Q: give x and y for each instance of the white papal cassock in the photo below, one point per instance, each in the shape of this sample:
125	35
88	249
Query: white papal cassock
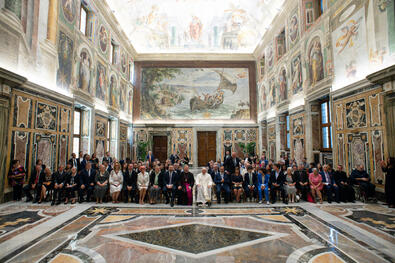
203	191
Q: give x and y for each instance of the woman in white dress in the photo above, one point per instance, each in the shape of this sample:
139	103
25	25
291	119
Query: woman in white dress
116	180
142	183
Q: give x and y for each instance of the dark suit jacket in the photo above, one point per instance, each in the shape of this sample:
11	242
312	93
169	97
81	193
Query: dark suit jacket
68	178
247	179
218	179
86	179
280	179
59	178
324	178
174	179
340	176
32	179
72	162
188	177
130	179
152	178
230	166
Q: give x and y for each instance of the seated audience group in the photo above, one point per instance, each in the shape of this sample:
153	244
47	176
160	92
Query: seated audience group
84	179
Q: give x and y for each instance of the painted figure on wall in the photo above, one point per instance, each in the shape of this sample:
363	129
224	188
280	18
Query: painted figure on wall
195	29
263	98
65	58
103	39
282	81
113	91
130	102
122	97
293	29
124	62
297	77
85	71
269	56
101	82
316	61
68	9
350	31
272	92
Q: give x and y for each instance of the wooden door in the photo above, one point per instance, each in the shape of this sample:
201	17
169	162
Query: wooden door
160	148
207	147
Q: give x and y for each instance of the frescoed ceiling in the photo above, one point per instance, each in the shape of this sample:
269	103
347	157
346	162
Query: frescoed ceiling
195	26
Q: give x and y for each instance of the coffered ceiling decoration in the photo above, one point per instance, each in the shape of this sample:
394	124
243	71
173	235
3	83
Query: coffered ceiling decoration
195	26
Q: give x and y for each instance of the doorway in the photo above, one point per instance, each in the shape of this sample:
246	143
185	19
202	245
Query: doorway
160	148
207	147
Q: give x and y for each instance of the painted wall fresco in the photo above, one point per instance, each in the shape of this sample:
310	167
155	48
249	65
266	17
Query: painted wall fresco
179	26
101	81
360	133
283	84
297	137
293	29
240	140
65	60
315	61
182	142
195	93
296	75
100	136
85	71
350	45
114	92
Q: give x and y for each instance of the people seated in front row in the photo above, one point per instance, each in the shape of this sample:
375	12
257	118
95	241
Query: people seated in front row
222	182
360	177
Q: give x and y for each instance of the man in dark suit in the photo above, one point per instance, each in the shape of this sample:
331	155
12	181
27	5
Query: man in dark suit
86	182
360	177
302	181
74	161
130	184
222	182
231	163
155	184
346	191
108	159
170	182
330	185
250	181
34	185
59	179
276	182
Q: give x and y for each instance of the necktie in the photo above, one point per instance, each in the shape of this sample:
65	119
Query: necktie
328	180
75	163
171	175
250	179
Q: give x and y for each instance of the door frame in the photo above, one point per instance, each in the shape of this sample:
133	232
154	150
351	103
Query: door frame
167	146
196	154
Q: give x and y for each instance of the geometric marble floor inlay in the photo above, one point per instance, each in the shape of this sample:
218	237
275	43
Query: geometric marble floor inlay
195	238
248	233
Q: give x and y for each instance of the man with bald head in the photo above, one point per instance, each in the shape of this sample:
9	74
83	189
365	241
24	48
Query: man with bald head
204	183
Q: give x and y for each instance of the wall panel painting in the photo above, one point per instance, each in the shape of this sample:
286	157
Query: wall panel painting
195	93
65	60
44	148
114	92
101	81
350	48
63	149
293	29
46	116
315	61
358	150
22	112
296	75
20	147
100	149
378	155
65	120
85	72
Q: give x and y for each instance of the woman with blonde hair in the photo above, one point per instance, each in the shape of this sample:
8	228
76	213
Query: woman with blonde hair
116	180
142	183
316	184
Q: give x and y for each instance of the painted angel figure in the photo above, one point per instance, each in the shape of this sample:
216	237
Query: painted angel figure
350	31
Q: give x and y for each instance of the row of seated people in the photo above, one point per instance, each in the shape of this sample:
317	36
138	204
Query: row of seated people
134	181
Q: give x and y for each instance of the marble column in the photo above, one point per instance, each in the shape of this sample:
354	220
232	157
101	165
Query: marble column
52	21
4	113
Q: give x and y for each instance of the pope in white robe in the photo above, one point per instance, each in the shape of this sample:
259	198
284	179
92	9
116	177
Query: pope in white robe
204	183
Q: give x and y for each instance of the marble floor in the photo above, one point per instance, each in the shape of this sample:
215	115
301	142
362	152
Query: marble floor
246	232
